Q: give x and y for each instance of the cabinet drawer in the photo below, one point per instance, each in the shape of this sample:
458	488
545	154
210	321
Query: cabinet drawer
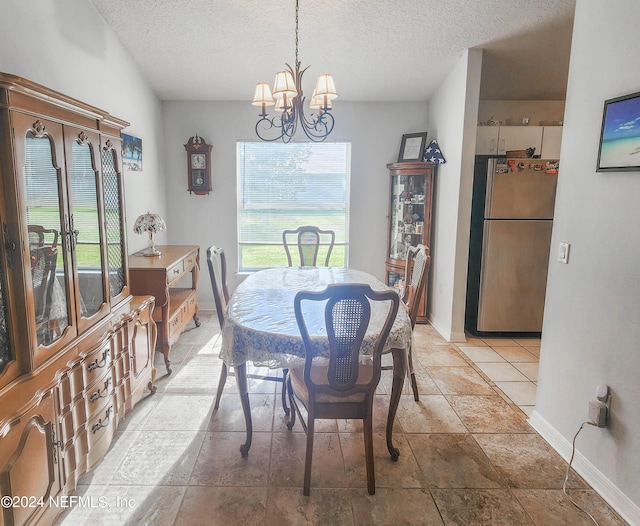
175	323
100	431
174	272
95	364
97	396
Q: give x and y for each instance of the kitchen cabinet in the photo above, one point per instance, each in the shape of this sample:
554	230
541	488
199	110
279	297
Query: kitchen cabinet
409	218
551	141
498	140
70	329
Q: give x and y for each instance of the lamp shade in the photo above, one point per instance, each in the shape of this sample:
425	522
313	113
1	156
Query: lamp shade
149	223
325	87
262	95
319	102
284	86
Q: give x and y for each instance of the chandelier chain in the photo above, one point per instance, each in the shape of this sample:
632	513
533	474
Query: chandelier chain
296	32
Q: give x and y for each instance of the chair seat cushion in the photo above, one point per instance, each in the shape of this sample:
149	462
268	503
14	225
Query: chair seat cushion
319	377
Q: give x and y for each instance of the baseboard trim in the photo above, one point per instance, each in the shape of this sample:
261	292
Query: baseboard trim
445	331
624	506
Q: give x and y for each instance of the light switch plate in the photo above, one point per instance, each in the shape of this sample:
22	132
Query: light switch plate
563	252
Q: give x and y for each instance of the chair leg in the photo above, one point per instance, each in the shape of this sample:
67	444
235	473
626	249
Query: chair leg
306	489
368	454
414	383
284	391
221	382
292	414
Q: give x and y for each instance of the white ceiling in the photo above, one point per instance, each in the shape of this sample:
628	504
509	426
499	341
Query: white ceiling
376	50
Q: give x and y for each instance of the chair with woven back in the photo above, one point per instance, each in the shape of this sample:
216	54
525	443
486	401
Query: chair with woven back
308	239
339	386
43	248
217	263
416	271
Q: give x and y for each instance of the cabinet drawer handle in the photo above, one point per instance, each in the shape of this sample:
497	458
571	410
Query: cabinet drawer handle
175	322
95	364
176	271
99	424
97	395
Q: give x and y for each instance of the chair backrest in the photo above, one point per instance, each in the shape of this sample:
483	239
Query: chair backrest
346	315
308	239
416	271
217	263
43	248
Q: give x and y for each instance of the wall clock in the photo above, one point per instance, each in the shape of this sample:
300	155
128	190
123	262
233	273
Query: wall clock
198	165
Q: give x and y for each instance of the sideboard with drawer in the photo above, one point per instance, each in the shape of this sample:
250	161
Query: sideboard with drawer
164	278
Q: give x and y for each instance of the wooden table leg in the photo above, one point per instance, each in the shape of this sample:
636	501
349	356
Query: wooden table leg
241	381
399	372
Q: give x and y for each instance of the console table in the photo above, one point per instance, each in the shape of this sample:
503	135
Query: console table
162	277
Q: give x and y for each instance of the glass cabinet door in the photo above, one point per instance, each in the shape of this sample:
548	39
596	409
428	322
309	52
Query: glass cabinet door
6	351
43	201
114	220
85	215
407	214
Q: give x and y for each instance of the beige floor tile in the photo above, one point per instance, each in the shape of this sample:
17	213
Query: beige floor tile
499	342
528	342
530	370
490	507
432	414
488	414
473	342
390	507
459	380
481	354
109	505
159	457
516	354
534	350
520	393
288	507
219	462
169	413
430	355
453	461
526	461
230	417
552	508
223	506
502	372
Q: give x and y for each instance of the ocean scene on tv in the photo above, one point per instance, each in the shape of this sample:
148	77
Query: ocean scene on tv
621	134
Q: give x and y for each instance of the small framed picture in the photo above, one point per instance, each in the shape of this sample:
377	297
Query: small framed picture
412	147
620	135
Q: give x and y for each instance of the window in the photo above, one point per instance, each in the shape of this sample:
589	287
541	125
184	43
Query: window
284	186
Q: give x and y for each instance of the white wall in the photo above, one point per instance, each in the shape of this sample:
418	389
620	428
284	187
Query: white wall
453	113
66	46
374	129
591	330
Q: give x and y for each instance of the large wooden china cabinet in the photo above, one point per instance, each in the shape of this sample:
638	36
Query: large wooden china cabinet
410	217
76	348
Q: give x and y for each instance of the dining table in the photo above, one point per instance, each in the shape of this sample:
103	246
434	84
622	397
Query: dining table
260	328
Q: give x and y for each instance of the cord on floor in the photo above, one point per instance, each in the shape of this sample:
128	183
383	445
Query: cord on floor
566	478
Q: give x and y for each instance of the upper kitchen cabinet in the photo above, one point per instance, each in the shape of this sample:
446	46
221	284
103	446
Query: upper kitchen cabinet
498	140
551	140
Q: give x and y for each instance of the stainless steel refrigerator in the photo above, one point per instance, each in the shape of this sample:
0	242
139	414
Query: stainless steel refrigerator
517	219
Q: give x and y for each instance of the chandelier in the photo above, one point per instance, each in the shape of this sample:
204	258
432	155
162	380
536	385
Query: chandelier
289	104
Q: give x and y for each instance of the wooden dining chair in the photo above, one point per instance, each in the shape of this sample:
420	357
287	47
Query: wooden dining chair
416	271
339	386
217	263
43	249
308	239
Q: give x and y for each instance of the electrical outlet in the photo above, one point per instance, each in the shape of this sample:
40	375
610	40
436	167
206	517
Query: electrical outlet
563	252
598	413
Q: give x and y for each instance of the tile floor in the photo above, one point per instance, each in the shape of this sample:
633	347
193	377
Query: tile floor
468	455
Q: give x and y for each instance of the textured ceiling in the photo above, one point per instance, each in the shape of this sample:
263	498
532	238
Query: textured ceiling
376	50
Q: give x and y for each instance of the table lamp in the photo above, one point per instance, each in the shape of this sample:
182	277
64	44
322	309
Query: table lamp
151	223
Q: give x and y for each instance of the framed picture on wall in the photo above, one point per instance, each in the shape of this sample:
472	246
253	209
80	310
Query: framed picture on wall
412	147
620	135
131	152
